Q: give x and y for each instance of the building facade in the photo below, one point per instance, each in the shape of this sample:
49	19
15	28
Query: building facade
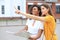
55	5
7	6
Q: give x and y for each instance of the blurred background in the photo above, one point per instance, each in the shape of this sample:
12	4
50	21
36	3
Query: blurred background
10	21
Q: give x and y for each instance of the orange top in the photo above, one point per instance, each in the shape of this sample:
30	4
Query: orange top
49	28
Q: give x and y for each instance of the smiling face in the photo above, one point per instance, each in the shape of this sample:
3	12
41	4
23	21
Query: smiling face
35	11
44	10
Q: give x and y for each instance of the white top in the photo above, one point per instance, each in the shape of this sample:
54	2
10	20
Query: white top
34	29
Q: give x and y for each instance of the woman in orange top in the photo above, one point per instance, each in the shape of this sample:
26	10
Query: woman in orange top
47	18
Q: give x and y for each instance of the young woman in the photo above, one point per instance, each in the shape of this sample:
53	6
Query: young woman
48	19
34	27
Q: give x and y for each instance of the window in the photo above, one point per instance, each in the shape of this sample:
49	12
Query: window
51	0
2	9
29	6
57	8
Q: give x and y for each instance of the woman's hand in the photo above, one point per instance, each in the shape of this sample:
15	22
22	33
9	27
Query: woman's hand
17	33
17	11
22	30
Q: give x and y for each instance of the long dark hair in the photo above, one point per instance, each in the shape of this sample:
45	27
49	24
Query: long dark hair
39	9
48	7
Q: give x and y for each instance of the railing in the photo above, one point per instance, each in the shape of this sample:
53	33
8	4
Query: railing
12	22
58	21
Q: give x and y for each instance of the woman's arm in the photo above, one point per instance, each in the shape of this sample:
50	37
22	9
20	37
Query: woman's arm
38	35
31	16
24	29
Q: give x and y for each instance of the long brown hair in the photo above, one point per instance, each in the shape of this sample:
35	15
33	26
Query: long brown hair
47	7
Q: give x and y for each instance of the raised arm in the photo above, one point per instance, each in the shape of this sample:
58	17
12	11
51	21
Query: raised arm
24	29
30	16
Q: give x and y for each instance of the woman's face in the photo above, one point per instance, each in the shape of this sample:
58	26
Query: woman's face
35	11
44	10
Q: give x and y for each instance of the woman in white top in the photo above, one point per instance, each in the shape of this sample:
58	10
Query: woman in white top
33	26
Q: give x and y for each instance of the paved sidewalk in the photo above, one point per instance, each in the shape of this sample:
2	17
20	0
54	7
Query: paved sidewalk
13	29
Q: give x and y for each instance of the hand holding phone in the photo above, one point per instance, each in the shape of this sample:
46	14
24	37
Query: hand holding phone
17	11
